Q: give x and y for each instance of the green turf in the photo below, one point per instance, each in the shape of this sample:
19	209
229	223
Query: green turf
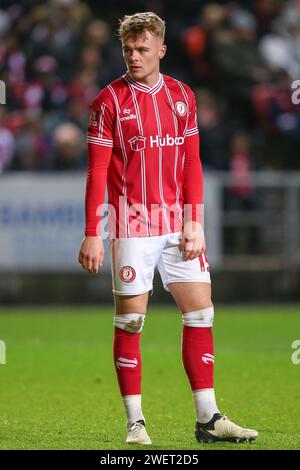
58	389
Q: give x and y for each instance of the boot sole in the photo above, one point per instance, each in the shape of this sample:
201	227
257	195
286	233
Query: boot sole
204	438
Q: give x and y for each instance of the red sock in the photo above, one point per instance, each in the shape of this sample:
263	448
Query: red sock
128	364
198	356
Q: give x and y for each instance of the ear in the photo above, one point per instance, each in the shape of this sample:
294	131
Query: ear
162	51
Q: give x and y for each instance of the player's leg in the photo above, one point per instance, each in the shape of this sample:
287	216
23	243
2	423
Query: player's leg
189	283
129	318
130	303
132	274
194	301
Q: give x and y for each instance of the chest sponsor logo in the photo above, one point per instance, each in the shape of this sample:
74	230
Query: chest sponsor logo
138	143
167	141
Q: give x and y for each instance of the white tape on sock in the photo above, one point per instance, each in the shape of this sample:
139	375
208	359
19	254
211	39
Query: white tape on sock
199	318
131	322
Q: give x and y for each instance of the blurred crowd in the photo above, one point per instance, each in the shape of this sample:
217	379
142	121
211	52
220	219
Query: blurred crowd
240	58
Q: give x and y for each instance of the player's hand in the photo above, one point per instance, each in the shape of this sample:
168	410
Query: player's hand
91	254
192	243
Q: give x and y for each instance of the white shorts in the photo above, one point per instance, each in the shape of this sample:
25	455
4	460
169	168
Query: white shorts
133	261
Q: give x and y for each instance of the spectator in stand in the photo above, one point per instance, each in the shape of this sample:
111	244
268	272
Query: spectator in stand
241	195
197	41
7	143
214	141
69	148
238	64
279	121
280	50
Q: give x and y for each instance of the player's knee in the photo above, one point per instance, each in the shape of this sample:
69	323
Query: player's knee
130	322
203	318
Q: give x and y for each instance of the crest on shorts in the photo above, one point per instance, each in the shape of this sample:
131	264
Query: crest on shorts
94	118
127	274
181	108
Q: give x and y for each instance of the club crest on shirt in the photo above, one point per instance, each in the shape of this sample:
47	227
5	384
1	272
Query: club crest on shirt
137	143
94	118
181	108
127	274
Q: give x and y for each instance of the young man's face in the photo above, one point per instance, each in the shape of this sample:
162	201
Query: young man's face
142	56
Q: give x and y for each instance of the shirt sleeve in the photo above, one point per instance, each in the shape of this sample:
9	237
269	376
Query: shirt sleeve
193	177
192	127
100	144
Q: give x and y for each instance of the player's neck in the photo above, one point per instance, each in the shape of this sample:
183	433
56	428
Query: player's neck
151	80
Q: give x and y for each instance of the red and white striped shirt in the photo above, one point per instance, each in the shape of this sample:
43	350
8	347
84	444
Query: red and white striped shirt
143	143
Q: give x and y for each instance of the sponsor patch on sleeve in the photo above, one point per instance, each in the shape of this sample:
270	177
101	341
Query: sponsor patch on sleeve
94	118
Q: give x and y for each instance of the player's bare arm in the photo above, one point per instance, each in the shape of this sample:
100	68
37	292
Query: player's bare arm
91	254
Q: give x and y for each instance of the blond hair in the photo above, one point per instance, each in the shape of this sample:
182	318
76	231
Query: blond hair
137	24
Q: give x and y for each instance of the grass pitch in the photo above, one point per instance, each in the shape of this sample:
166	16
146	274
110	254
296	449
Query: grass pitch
58	389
